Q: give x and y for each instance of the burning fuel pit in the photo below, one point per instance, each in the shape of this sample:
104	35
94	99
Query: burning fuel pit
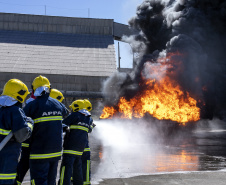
180	69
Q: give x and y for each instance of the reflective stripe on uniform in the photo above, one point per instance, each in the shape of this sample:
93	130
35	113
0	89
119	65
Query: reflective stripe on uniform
87	150
79	127
25	145
62	175
49	118
18	182
86	183
7	176
87	173
32	182
4	132
72	152
45	156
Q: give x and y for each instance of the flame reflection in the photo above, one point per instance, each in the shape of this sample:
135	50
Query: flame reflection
181	161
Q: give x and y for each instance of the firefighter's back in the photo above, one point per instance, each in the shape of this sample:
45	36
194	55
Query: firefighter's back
46	140
47	134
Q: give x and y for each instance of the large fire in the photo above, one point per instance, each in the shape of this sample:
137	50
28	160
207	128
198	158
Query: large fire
162	98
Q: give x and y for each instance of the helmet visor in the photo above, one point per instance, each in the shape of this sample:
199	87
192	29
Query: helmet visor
7	101
40	90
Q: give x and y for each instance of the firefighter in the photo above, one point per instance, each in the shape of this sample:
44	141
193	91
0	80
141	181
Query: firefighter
12	119
86	156
56	94
80	123
23	165
86	167
46	139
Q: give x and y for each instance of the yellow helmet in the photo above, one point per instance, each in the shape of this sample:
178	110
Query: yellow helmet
54	93
16	89
77	105
88	105
39	82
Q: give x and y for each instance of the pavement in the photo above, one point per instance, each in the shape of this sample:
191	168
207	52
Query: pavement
191	178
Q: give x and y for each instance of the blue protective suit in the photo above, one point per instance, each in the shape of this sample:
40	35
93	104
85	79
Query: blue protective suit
86	165
12	119
80	124
23	165
46	139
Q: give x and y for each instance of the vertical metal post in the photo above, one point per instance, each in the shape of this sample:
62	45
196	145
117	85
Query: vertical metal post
119	58
133	55
133	61
45	9
88	13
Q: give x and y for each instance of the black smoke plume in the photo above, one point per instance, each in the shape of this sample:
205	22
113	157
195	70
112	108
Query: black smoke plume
195	28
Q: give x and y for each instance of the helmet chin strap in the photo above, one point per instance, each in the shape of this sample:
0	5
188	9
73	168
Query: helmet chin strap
6	101
39	91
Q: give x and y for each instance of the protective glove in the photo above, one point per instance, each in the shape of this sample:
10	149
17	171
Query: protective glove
30	120
91	127
30	123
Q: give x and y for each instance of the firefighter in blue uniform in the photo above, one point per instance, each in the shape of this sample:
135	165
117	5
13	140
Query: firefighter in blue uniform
86	156
12	119
80	123
23	165
56	94
46	139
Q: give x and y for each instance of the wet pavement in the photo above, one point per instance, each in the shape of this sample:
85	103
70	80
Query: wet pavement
136	152
129	152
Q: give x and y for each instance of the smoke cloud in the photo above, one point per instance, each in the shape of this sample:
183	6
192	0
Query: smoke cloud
196	29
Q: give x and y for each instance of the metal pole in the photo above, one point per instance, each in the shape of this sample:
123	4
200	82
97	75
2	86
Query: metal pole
119	58
88	12
45	9
133	55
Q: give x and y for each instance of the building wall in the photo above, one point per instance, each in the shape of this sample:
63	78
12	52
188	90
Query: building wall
42	23
70	84
121	30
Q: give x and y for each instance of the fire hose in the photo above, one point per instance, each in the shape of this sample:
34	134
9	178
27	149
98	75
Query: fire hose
5	140
10	135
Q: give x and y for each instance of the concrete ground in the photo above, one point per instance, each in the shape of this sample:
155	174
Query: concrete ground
191	178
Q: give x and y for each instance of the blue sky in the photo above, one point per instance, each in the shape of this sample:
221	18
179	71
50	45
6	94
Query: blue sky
119	10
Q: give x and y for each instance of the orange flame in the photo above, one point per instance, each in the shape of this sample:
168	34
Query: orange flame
163	99
108	112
